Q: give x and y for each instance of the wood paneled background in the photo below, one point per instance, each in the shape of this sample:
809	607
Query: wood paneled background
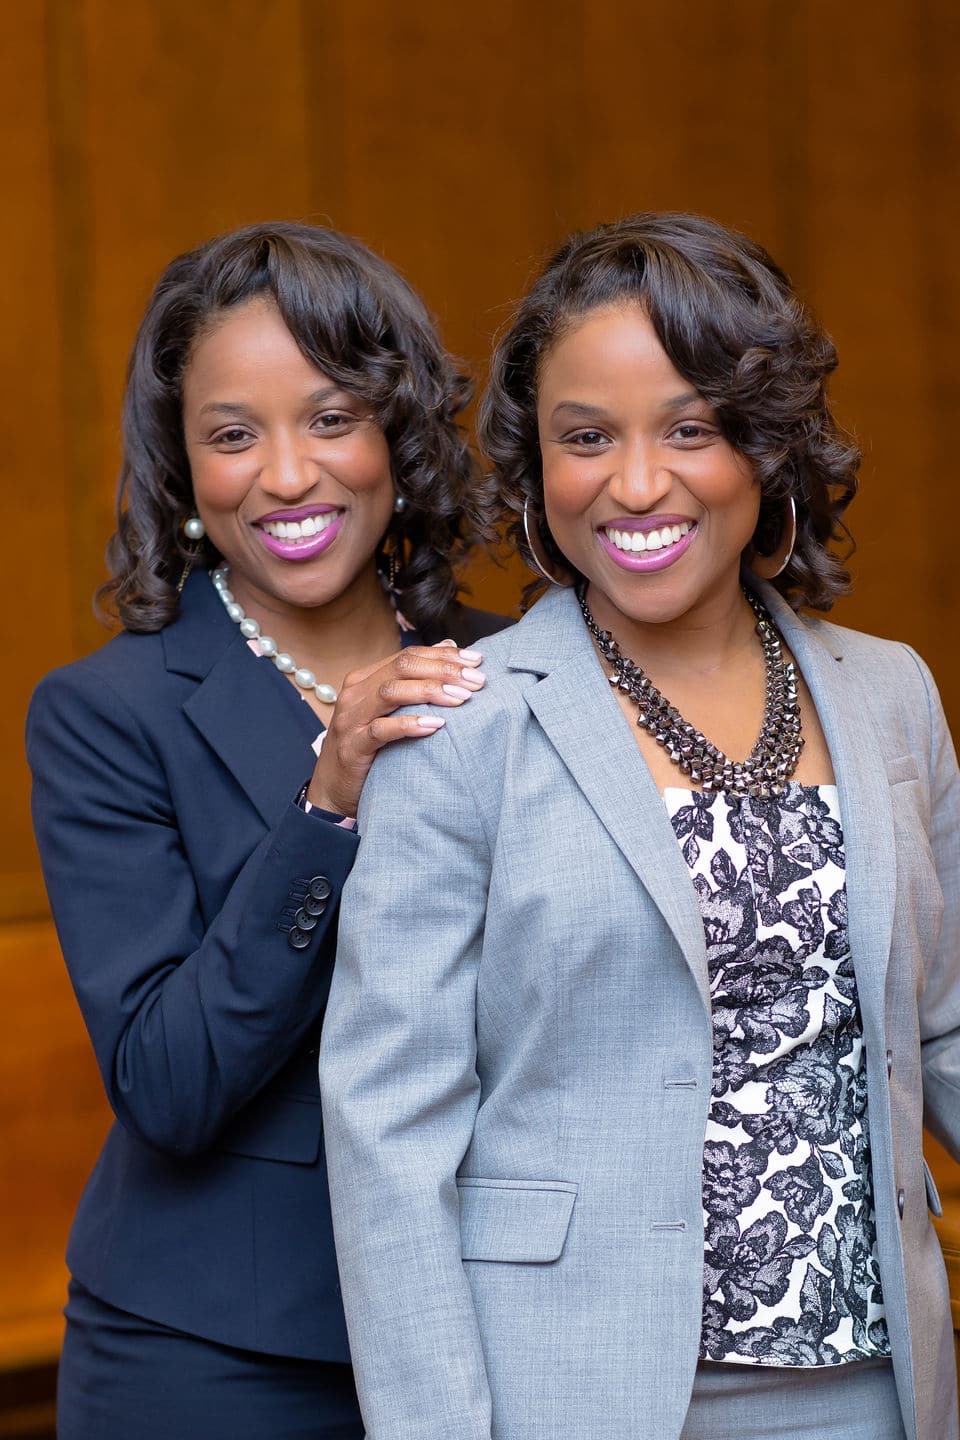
462	142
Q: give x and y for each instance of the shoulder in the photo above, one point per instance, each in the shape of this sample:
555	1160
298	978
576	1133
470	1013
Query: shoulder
122	689
872	655
492	714
122	665
887	680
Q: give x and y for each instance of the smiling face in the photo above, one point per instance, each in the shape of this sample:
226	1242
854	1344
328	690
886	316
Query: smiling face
642	491
291	474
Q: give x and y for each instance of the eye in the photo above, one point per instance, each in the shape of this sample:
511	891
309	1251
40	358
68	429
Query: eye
586	440
234	436
334	420
691	433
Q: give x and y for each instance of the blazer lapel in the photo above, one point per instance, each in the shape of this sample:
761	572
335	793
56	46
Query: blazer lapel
240	706
866	812
576	708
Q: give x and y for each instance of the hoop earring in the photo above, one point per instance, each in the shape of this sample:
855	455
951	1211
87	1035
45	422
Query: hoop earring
194	530
768	567
537	563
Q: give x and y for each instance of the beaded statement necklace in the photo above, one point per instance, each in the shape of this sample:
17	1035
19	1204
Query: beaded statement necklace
776	754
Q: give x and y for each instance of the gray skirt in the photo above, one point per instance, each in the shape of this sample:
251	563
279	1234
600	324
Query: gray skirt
857	1401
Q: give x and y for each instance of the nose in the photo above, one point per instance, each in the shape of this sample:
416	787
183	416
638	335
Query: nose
286	471
640	479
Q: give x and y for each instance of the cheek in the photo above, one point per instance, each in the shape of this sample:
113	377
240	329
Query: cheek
365	464
568	495
220	482
730	490
568	491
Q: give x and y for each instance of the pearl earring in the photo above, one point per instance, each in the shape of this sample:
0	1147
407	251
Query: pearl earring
194	530
399	505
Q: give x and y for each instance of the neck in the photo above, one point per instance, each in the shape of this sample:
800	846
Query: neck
703	640
356	628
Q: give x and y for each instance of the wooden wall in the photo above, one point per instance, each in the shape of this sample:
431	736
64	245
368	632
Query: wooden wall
462	142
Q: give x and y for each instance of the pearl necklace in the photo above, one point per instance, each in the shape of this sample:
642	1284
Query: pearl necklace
250	629
776	754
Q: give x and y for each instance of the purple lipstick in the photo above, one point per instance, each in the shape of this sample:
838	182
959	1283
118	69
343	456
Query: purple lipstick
653	542
300	534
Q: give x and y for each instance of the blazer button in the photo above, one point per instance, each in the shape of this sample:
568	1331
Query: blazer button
314	907
320	887
305	920
901	1198
298	939
889	1062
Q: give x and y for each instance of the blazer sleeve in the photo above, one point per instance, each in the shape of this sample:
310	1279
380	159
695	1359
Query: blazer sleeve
189	1018
940	1001
400	1093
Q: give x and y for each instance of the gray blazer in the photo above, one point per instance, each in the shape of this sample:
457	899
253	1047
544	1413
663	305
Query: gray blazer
516	1062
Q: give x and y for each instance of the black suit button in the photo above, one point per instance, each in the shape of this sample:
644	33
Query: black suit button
901	1200
314	907
298	939
320	887
305	920
889	1062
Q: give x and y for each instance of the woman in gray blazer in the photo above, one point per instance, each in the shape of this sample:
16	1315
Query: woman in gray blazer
631	1039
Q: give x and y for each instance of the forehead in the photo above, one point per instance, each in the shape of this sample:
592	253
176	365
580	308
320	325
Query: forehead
245	343
615	348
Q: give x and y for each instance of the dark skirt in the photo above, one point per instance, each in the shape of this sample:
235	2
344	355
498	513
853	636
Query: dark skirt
122	1377
857	1401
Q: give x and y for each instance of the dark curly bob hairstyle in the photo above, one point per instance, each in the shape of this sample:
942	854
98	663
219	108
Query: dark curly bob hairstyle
359	322
730	322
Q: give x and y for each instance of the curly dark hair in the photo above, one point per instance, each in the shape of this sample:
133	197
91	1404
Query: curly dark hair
357	320
731	323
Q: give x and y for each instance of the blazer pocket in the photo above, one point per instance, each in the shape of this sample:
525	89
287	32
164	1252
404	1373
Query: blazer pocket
276	1127
904	767
523	1221
933	1194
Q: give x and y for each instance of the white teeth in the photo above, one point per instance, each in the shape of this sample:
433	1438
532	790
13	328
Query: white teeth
299	530
635	542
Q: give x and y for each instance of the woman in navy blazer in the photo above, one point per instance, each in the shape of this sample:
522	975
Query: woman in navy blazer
292	469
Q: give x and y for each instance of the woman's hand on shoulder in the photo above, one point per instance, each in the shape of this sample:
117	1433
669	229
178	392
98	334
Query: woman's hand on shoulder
364	720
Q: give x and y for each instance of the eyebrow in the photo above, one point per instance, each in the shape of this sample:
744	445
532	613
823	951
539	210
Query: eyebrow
229	407
575	407
597	412
680	402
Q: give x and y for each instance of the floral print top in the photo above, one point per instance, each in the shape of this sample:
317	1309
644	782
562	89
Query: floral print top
790	1265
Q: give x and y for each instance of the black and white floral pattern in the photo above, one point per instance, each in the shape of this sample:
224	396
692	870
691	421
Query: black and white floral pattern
790	1264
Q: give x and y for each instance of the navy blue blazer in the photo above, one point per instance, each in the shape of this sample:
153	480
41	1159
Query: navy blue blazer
165	768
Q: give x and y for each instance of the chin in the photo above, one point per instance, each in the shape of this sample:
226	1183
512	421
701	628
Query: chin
646	601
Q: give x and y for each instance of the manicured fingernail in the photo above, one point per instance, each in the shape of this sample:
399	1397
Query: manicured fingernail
457	691
445	642
471	655
427	722
471	677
